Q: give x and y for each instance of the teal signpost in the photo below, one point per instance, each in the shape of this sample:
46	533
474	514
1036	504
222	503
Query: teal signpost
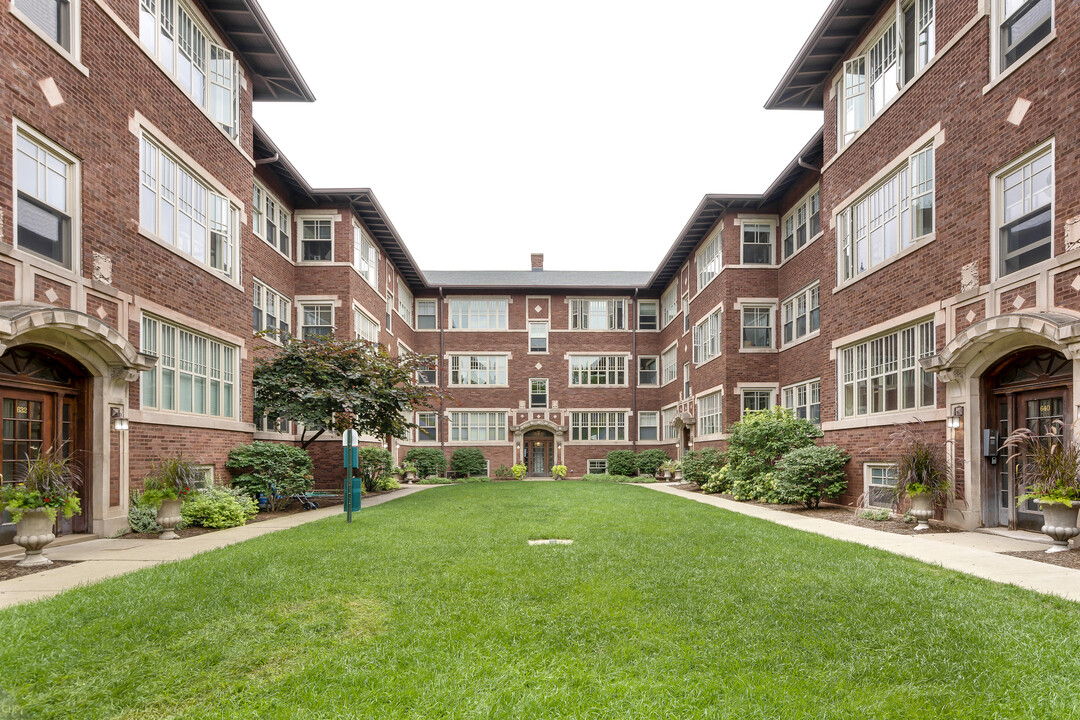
350	441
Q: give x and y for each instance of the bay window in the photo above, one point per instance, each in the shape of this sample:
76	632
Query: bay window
669	304
710	414
802	223
708	262
365	257
804	400
707	338
272	312
669	364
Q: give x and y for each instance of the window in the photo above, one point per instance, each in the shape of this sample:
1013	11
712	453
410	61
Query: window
265	423
1023	24
647	315
182	210
272	312
404	303
478	369
648	370
270	220
884	375
804	400
669	303
478	314
802	316
194	373
477	426
364	328
802	223
597	370
685	314
46	180
880	485
710	414
317	320
707	338
686	380
598	426
667	419
538	393
538	337
648	426
427	427
316	239
708	262
365	257
604	314
428	375
757	243
669	363
51	17
890	218
756	400
597	467
206	71
757	327
427	314
1025	196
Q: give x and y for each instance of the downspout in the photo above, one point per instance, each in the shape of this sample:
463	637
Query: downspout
634	375
442	375
267	161
807	165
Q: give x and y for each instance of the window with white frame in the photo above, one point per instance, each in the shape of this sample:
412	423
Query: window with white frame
182	210
802	223
884	375
757	243
317	320
598	426
648	425
648	370
648	315
538	337
597	314
429	374
685	314
804	399
270	220
272	312
667	419
756	400
365	257
802	316
757	326
1022	25
478	314
477	426
1024	202
710	414
686	380
669	304
427	314
890	218
175	34
265	423
364	327
669	362
708	261
707	338
597	467
880	485
405	303
194	374
538	393
597	370
316	239
478	369
870	80
55	19
46	179
427	427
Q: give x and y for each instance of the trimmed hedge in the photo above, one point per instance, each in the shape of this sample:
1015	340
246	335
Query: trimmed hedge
649	461
468	461
428	461
621	462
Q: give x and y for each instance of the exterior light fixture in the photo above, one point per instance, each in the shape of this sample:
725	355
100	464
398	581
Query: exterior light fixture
119	422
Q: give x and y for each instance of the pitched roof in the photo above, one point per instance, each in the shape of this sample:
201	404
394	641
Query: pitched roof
584	279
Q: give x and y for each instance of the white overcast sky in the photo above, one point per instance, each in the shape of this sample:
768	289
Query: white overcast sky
585	130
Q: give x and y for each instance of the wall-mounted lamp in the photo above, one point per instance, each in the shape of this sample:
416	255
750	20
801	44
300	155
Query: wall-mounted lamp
119	422
953	422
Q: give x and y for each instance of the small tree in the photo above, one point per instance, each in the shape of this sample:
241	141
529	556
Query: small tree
621	462
649	461
757	443
428	461
698	466
807	474
468	462
275	470
372	464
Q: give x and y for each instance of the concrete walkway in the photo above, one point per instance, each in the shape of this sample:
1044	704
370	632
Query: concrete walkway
974	553
100	559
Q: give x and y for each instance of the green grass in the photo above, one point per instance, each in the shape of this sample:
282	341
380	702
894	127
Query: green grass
434	606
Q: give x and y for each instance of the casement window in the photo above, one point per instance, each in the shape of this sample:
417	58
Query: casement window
597	467
685	314
46	179
604	314
890	218
1024	209
364	327
177	36
648	370
194	374
427	317
54	19
272	312
597	370
477	426
802	315
707	338
669	364
880	485
756	400
316	239
598	426
648	425
317	320
647	315
669	304
365	257
427	427
802	223
270	220
804	399
478	369
710	414
708	262
884	375
538	337
538	393
405	303
182	210
667	419
757	326
757	243
1022	25
478	314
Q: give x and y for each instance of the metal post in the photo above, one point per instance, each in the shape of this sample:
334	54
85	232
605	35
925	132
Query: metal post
348	484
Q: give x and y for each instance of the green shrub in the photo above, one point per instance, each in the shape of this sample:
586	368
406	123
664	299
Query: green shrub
757	443
172	478
468	461
519	471
428	461
504	471
218	507
759	486
621	462
142	515
718	482
473	479
386	482
607	477
699	465
649	461
271	469
805	475
372	464
878	514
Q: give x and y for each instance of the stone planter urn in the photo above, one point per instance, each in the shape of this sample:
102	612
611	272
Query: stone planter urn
1059	522
168	516
33	532
678	475
922	509
410	477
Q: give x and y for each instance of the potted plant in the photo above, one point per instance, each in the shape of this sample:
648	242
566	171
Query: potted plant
678	470
166	486
46	486
409	470
1048	467
666	471
558	472
921	475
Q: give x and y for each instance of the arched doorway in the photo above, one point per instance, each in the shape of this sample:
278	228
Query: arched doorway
538	448
1030	388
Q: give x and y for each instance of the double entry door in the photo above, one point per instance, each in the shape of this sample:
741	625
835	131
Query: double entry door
539	454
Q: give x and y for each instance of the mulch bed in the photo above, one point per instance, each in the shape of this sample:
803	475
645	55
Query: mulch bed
1070	559
8	571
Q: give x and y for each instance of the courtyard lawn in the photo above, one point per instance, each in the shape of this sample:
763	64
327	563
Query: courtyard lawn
434	606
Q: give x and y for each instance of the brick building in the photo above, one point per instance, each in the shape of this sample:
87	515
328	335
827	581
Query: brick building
917	259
